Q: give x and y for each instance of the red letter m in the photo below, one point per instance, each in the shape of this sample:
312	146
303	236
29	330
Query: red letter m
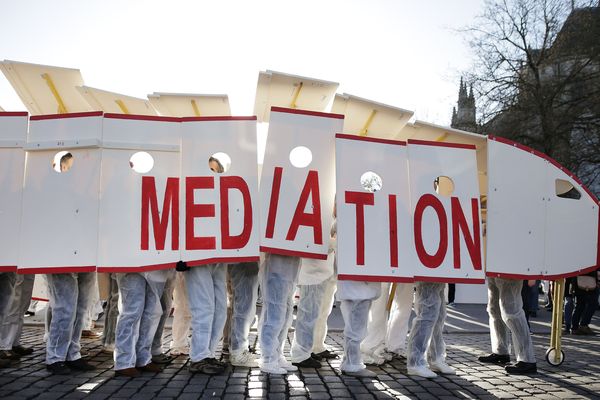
160	219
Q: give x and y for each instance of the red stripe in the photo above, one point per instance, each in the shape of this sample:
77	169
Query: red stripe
70	115
448	280
306	112
39	299
442	144
216	260
8	268
219	118
142	117
547	158
294	253
141	268
545	277
13	113
56	270
373	278
370	139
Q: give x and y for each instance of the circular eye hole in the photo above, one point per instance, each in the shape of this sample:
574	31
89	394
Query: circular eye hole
300	157
141	162
443	185
62	161
371	182
219	162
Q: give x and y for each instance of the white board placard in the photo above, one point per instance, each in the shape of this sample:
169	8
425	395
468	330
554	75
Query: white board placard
297	202
220	209
373	210
447	237
532	233
13	133
59	230
139	207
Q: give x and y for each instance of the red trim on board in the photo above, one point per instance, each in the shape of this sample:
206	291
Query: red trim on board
373	278
294	253
14	113
69	115
141	268
448	280
547	158
306	112
8	268
218	118
442	144
370	139
56	270
39	299
142	117
544	277
229	260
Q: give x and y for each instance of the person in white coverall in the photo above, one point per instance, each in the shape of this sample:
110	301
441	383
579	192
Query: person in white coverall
182	318
11	326
70	295
386	337
207	296
426	335
166	301
356	299
139	315
505	307
7	283
279	276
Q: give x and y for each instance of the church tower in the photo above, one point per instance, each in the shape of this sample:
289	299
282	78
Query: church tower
463	116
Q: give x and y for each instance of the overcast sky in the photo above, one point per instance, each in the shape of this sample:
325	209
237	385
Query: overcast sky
405	53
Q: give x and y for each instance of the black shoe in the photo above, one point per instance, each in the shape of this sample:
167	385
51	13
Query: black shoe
80	365
206	367
522	368
22	351
308	363
59	368
327	355
9	355
316	357
495	359
216	362
162	359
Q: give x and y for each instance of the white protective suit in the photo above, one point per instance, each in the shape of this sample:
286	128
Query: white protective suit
7	284
70	296
166	301
278	283
388	334
356	299
139	315
505	307
426	334
207	296
11	326
244	284
182	318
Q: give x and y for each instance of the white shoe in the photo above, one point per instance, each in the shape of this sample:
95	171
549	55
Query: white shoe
423	372
442	368
382	352
285	364
243	359
272	368
361	373
180	352
371	359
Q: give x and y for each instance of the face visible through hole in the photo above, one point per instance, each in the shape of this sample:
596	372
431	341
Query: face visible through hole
219	162
62	162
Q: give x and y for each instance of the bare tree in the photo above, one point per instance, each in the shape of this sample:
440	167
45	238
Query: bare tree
537	78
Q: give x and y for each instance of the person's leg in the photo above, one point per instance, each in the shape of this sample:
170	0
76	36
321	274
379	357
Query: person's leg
219	275
374	343
499	332
182	318
427	309
321	324
436	352
85	287
292	269
154	287
591	305
201	299
110	314
166	301
356	315
513	316
451	293
9	288
400	314
132	299
25	301
309	305
63	293
12	323
580	301
244	281
569	305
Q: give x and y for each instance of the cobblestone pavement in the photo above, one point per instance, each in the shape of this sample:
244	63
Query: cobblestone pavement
577	377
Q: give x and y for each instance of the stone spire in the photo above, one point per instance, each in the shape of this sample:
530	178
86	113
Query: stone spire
463	116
